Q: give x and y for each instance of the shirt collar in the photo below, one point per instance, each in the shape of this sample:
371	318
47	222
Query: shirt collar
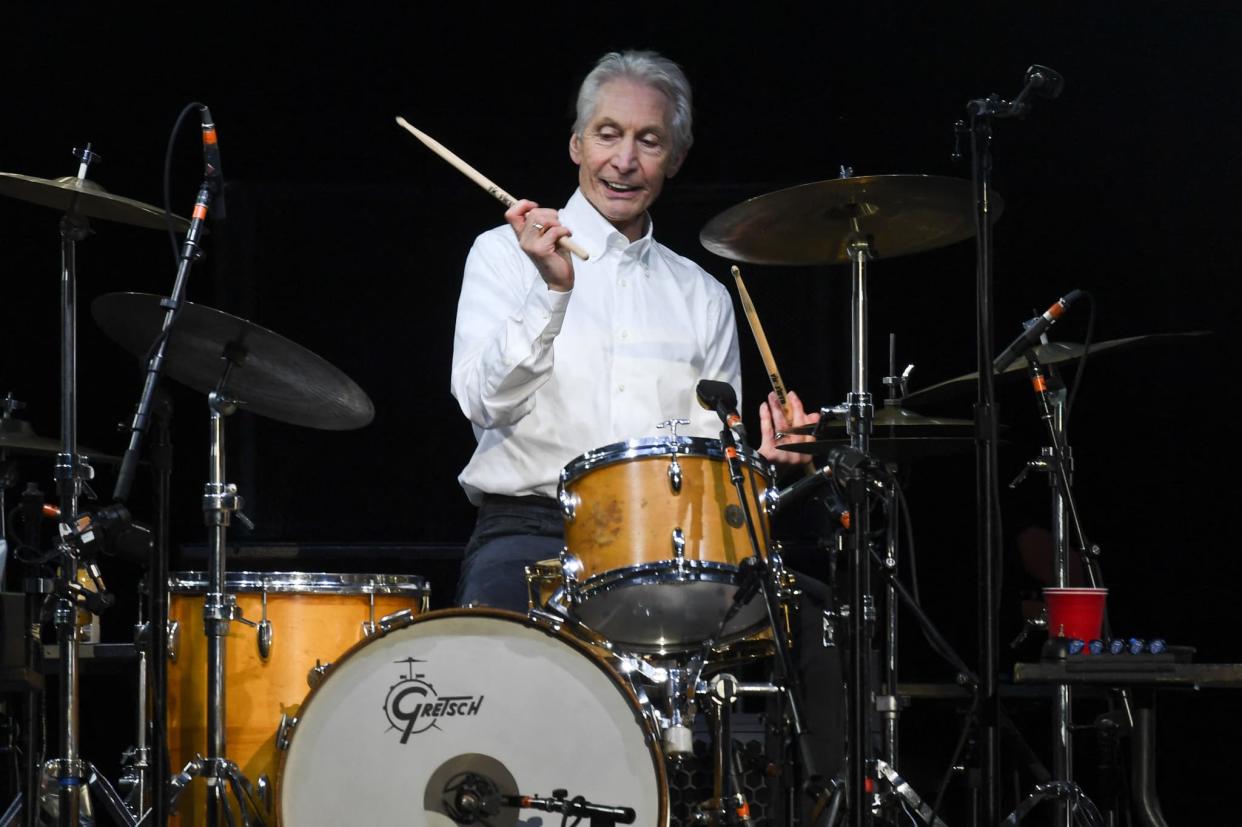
599	237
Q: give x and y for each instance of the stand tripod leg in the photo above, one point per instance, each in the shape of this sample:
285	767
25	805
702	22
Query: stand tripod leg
906	793
112	802
10	815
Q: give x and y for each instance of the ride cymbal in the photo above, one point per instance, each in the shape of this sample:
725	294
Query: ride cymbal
1051	353
84	197
815	223
270	375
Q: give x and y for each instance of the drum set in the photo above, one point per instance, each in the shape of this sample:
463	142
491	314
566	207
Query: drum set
326	699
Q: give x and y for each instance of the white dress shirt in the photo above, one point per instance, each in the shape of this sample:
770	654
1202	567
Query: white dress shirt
546	376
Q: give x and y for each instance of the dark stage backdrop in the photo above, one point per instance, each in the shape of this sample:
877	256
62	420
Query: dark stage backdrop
347	236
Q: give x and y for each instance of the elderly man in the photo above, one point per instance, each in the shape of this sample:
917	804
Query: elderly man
555	357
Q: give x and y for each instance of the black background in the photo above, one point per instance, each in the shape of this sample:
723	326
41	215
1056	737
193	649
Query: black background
347	236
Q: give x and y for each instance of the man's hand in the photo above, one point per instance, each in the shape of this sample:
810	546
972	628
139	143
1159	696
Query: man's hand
772	421
537	230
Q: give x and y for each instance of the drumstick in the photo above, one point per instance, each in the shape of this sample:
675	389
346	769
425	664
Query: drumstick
769	362
480	179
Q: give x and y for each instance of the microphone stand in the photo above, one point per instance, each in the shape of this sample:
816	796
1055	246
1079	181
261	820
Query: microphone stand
982	112
769	589
191	251
986	438
1057	460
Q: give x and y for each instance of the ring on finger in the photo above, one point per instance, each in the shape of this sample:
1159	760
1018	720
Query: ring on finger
538	226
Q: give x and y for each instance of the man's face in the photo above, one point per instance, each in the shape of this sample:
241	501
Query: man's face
625	153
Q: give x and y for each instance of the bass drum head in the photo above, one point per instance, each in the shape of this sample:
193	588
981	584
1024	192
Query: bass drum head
468	700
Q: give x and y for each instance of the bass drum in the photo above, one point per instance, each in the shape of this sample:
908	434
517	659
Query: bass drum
467	705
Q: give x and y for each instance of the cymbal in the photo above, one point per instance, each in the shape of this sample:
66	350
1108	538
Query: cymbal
897	435
271	376
17	436
1048	354
815	223
87	198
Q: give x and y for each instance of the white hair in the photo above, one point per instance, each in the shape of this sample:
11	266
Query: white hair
651	69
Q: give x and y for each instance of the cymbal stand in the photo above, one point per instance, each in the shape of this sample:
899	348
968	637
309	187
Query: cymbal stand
69	772
860	415
220	503
767	578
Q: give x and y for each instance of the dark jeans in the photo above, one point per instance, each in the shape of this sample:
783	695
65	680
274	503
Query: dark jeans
514	532
510	534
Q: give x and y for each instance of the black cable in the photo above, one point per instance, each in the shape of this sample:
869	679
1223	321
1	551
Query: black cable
168	221
904	505
168	153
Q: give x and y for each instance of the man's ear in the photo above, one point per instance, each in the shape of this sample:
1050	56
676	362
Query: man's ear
575	147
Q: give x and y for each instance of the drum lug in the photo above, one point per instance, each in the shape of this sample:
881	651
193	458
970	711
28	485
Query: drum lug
396	620
174	640
679	547
674	475
263	638
284	731
315	675
569	503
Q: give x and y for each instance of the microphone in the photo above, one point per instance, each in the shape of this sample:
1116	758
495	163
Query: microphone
576	806
776	499
113	527
1034	329
212	170
720	397
1047	83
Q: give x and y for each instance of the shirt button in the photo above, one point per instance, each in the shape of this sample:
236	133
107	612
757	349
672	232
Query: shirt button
620	388
623	283
625	334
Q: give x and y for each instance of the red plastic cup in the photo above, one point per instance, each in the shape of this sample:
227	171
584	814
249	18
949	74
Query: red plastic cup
1075	612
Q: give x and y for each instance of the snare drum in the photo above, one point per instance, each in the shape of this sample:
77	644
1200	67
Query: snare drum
414	725
294	625
654	535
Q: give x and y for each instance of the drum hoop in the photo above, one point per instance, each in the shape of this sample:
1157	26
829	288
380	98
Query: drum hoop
646	574
651	737
292	582
656	447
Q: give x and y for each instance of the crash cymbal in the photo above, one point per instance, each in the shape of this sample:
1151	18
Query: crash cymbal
271	376
814	223
18	437
87	198
1048	354
897	435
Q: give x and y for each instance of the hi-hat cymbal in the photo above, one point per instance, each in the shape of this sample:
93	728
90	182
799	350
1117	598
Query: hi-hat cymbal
897	435
815	223
1048	354
271	376
17	436
85	197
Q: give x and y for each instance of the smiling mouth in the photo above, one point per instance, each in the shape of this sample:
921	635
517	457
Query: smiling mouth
620	187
